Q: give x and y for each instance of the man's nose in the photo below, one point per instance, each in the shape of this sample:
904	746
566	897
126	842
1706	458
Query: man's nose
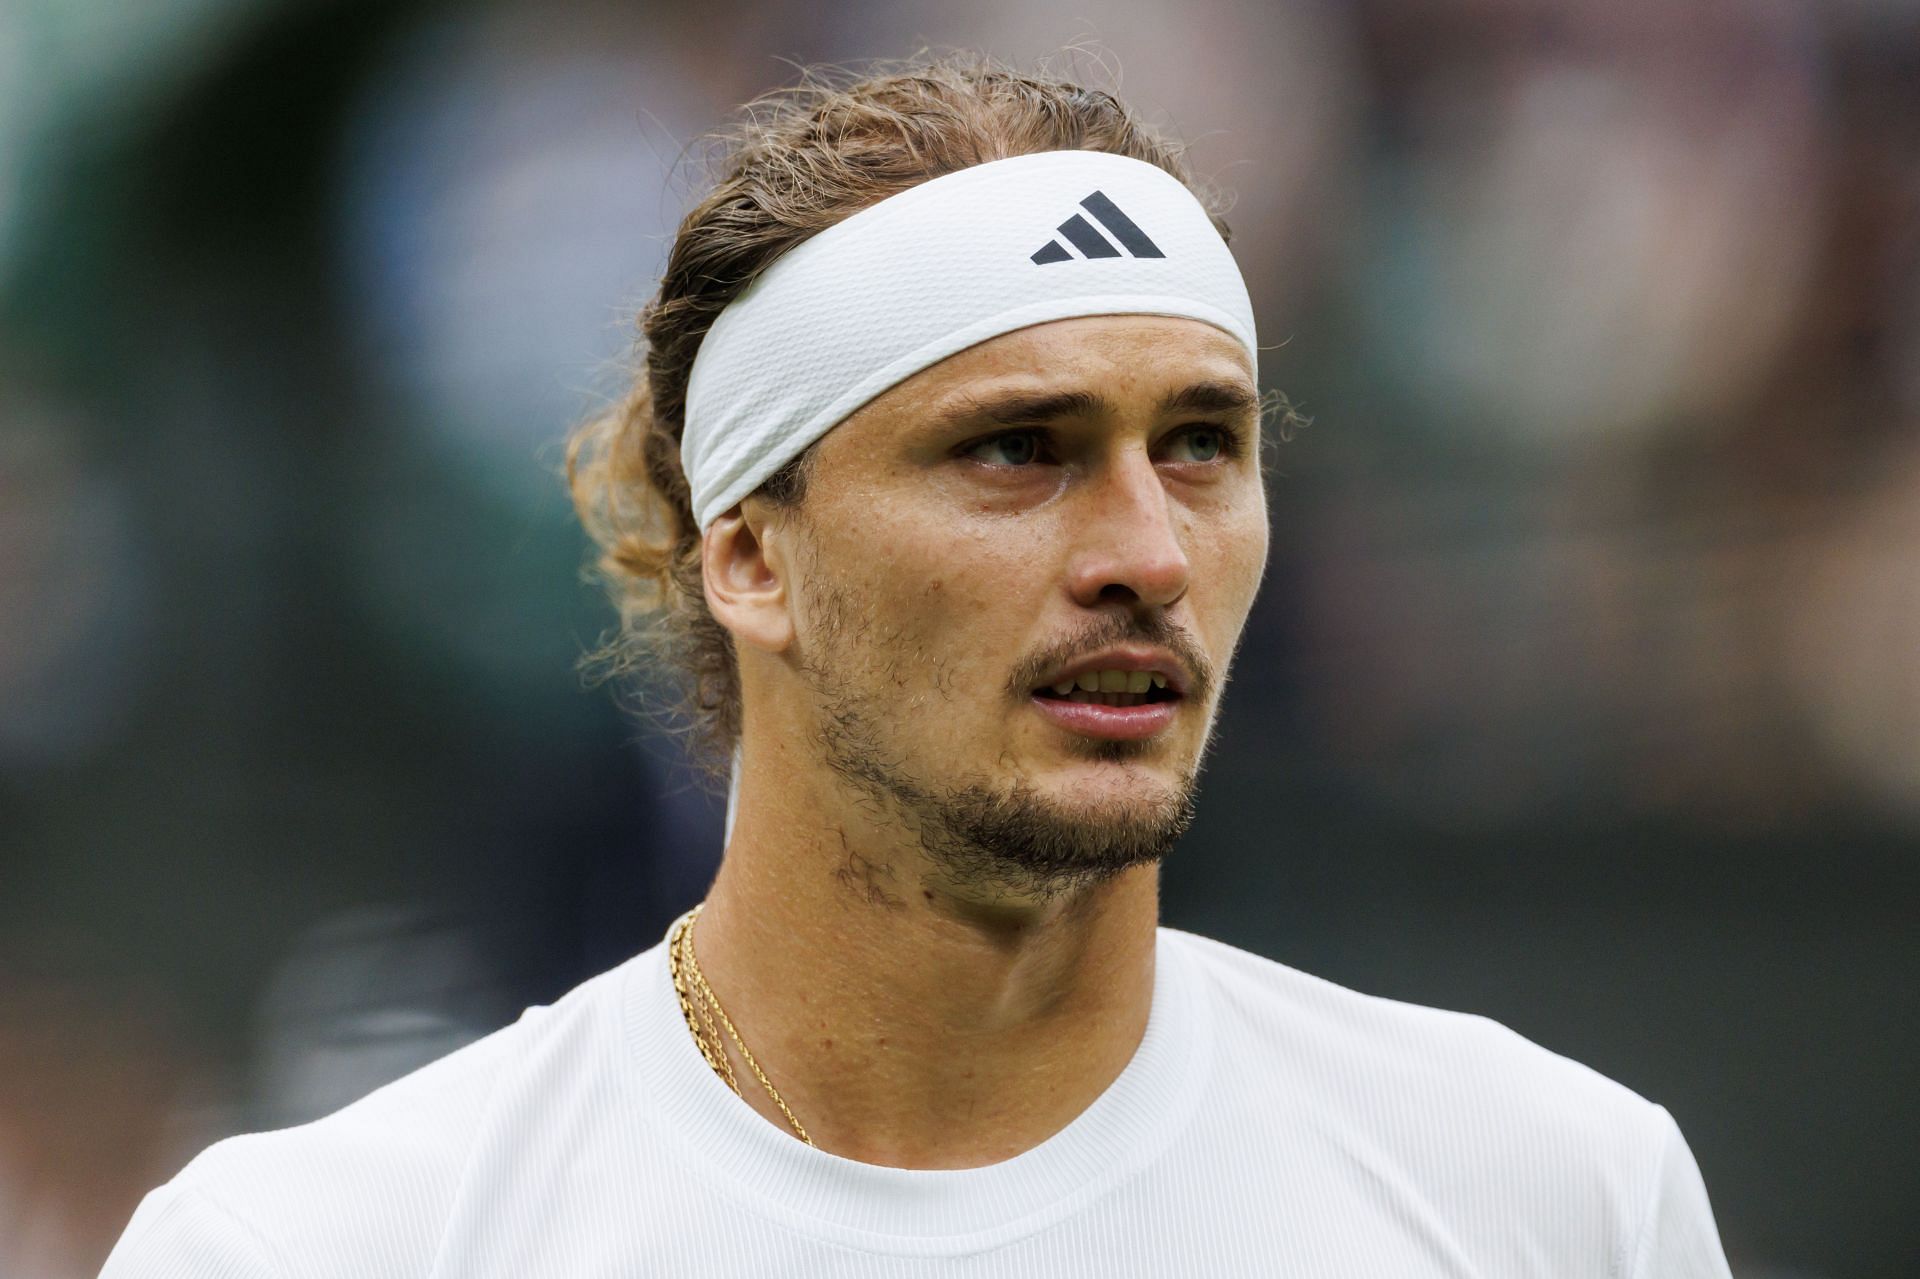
1128	546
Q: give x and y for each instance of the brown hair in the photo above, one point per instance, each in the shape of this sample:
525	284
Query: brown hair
798	160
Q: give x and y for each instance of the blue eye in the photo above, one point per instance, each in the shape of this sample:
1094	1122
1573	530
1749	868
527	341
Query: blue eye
1204	442
1016	448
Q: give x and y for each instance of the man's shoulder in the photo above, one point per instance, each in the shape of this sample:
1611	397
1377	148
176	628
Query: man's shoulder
376	1179
1418	1065
1530	1153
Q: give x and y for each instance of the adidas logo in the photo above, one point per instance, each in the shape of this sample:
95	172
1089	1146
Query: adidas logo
1081	234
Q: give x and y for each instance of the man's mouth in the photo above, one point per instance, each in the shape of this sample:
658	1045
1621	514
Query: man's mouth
1116	705
1111	688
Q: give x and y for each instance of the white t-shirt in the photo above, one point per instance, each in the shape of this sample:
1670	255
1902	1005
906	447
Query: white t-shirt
1270	1123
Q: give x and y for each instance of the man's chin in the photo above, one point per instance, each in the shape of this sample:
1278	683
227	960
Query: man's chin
1109	774
1107	794
1052	835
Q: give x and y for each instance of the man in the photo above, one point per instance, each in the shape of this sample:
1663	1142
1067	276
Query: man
945	476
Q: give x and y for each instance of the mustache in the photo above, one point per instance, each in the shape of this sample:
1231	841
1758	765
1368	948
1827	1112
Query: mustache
1116	628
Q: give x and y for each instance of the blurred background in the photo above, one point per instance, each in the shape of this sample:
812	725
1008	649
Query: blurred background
1582	691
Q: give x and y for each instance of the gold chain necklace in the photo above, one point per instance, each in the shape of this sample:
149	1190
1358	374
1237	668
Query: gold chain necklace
682	965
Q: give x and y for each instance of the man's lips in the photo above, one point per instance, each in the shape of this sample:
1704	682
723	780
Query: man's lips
1115	723
1168	671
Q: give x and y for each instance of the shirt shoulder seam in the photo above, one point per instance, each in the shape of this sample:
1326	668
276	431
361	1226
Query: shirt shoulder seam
261	1244
466	1166
1649	1199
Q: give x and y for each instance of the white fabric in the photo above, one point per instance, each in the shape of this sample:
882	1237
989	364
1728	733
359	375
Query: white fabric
1270	1123
924	274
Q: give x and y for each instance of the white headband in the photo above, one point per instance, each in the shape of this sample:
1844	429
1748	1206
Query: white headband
926	273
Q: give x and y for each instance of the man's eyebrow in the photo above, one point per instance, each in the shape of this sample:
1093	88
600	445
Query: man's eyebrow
1038	408
1212	397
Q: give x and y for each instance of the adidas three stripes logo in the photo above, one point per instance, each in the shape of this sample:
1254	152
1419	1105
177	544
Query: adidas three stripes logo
1083	236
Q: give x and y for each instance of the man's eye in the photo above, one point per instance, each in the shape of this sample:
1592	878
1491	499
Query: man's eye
1015	448
1203	442
1199	444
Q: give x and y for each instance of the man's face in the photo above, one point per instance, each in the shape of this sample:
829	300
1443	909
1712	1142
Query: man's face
961	557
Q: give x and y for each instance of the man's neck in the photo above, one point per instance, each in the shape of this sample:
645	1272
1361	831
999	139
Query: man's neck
903	1023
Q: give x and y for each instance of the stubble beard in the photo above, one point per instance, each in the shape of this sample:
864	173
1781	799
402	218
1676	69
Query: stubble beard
987	838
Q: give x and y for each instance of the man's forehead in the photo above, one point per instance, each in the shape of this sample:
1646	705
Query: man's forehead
1087	366
1000	406
1088	337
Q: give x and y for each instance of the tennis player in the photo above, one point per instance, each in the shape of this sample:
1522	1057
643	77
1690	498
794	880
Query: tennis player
944	477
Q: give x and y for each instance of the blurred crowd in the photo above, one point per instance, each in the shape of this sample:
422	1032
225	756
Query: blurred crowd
1582	690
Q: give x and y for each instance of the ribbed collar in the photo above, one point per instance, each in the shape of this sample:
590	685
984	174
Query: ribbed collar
924	1212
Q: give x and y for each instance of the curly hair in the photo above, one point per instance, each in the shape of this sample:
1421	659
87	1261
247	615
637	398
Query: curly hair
797	161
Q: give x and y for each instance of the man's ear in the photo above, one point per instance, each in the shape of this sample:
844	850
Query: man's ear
746	577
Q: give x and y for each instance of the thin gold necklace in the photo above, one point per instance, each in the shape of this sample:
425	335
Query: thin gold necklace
682	965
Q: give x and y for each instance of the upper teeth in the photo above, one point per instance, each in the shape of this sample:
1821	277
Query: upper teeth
1112	682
